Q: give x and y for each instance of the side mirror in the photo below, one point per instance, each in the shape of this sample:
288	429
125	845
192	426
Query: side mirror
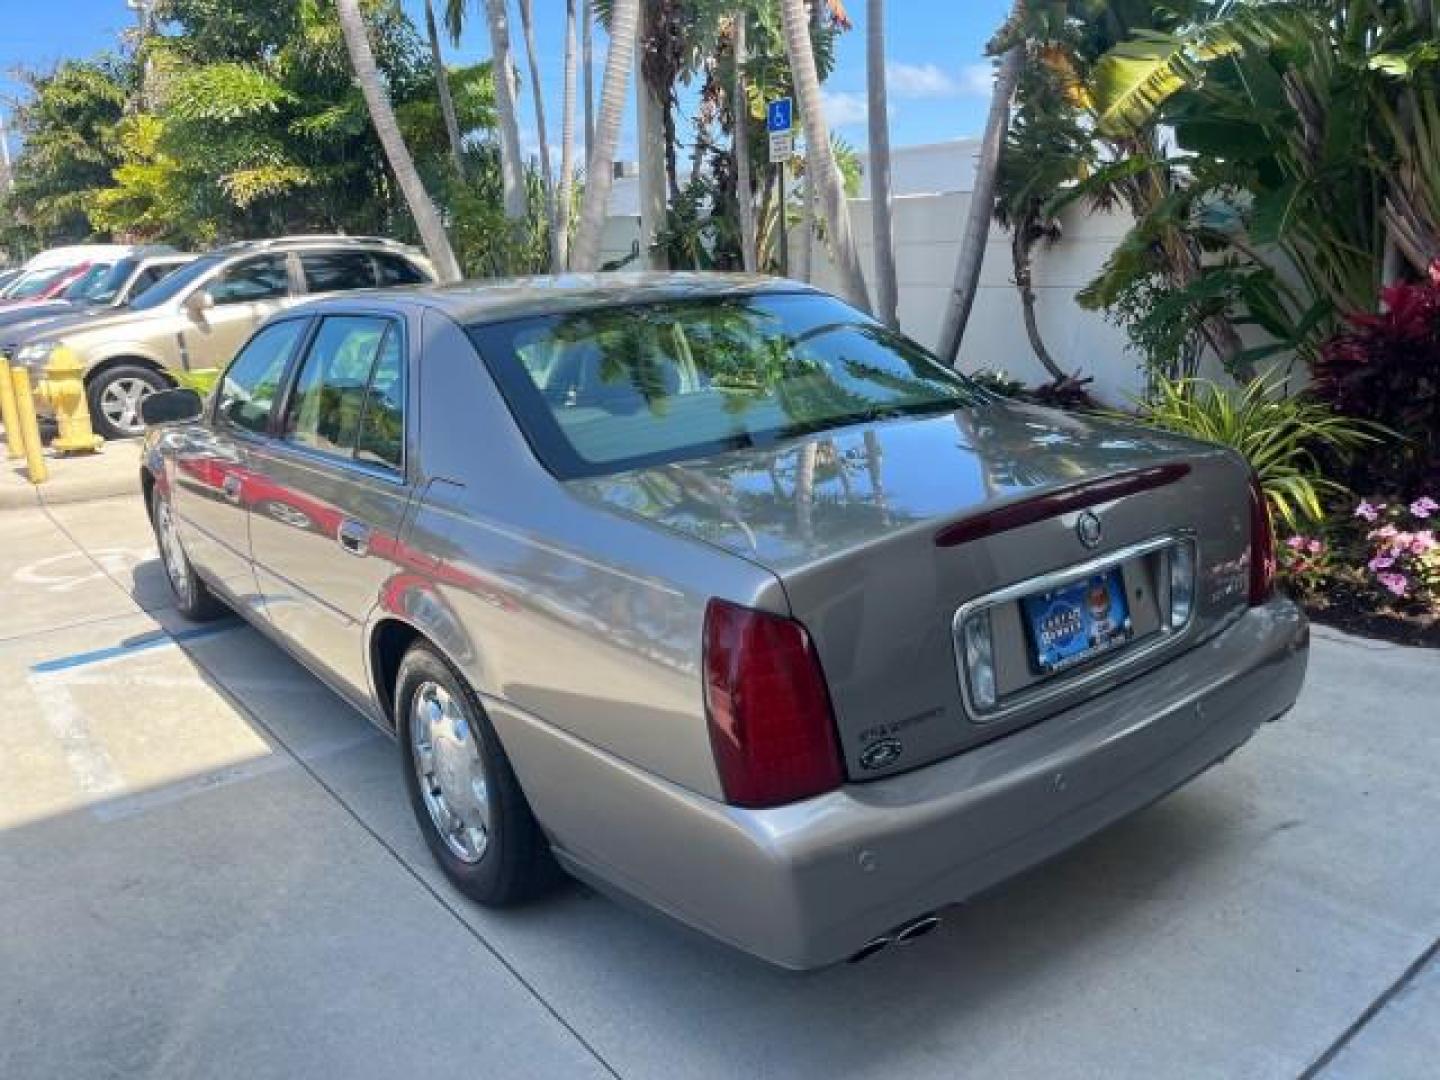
171	406
199	302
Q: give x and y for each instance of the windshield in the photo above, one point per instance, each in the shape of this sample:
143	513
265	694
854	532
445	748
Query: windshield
168	288
100	283
35	282
600	391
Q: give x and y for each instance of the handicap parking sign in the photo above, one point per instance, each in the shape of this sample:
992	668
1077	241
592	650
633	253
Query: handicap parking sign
777	115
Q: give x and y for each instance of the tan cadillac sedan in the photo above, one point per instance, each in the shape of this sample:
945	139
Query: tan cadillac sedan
198	316
720	595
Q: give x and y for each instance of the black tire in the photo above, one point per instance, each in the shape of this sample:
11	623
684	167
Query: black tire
193	598
516	864
100	385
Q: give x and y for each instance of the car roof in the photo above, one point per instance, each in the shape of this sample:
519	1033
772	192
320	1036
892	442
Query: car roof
475	302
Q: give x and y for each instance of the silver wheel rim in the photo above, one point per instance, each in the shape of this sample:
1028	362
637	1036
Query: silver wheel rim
451	774
120	403
171	553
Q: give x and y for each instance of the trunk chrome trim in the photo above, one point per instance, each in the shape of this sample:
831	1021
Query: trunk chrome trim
1062	500
1084	675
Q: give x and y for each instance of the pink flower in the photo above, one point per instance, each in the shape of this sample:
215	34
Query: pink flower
1385	532
1314	547
1423	541
1380	562
1396	583
1368	510
1424	506
1296	543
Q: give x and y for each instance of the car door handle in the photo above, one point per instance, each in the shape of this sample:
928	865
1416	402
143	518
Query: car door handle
231	486
354	536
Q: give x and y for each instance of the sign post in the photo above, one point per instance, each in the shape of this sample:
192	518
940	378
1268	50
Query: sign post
779	124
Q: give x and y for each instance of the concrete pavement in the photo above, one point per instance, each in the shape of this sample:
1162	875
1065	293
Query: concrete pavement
207	866
114	471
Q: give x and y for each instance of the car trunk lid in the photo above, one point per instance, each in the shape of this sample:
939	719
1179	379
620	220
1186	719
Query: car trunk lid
881	533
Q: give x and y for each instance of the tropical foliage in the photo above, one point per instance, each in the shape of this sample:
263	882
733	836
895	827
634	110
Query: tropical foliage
1281	437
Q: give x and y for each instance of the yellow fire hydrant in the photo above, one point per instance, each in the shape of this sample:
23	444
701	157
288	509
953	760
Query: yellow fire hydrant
63	389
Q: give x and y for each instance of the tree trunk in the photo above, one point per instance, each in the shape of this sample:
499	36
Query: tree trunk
512	167
882	226
650	134
982	206
740	110
382	116
1020	254
587	27
561	222
817	139
547	177
600	169
442	86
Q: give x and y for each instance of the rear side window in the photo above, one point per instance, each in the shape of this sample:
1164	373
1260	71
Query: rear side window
252	382
397	270
265	278
382	426
337	271
330	398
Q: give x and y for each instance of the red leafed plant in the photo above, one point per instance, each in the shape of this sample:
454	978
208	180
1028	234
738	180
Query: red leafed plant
1386	368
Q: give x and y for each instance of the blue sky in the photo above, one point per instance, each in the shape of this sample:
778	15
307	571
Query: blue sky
939	78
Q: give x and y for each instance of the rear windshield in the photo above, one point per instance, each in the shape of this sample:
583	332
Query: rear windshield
604	390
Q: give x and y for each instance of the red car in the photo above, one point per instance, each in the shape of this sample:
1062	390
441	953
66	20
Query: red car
41	285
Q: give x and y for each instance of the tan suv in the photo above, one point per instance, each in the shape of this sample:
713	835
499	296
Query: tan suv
198	316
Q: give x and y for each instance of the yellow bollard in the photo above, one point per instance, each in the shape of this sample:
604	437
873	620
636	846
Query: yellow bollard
9	414
63	389
29	428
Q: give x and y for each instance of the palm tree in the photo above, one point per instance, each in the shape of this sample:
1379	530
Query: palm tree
826	177
740	126
599	170
527	27
382	116
560	223
886	291
982	200
652	128
512	167
587	29
442	85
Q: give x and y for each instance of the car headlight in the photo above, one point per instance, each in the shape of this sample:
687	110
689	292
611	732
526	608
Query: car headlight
35	354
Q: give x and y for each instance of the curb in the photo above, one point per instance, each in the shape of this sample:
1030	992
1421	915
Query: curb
91	489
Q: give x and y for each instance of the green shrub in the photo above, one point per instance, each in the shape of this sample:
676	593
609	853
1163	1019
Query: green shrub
1279	436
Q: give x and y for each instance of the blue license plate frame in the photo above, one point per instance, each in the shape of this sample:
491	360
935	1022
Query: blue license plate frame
1078	621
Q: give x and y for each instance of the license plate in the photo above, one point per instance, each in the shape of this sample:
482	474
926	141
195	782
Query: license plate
1076	622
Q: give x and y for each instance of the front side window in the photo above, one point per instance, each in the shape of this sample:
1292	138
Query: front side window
602	390
252	382
335	271
329	399
265	278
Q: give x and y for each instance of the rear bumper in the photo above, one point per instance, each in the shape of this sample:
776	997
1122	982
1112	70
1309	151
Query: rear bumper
809	884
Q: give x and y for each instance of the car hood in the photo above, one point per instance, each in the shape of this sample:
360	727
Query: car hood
807	498
103	318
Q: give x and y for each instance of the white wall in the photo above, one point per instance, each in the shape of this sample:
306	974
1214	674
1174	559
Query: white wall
927	244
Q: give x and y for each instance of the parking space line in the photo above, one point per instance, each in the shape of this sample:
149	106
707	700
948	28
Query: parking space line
94	773
154	640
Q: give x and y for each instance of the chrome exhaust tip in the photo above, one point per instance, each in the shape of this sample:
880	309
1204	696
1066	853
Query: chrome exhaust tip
870	948
917	929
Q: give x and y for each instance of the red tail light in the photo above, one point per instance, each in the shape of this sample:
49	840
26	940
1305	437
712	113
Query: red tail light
771	726
1262	545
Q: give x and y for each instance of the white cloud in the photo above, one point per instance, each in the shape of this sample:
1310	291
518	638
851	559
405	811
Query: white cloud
843	108
933	81
977	80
